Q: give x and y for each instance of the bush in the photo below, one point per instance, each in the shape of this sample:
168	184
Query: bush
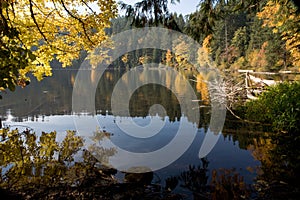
280	106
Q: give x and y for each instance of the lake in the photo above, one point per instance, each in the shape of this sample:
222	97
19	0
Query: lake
47	106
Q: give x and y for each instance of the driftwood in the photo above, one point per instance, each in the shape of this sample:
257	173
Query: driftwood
255	86
267	73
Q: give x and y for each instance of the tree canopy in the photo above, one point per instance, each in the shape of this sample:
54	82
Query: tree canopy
150	12
262	35
35	32
257	35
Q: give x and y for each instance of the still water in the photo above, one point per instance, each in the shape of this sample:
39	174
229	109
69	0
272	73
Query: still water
47	106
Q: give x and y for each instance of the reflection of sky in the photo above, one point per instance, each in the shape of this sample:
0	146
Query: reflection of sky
224	155
136	144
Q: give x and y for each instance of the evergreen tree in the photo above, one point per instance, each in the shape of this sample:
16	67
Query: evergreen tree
150	12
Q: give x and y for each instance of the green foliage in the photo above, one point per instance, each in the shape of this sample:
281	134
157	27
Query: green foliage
13	58
240	40
279	106
202	22
150	12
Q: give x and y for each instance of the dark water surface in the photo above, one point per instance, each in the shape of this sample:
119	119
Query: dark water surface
47	106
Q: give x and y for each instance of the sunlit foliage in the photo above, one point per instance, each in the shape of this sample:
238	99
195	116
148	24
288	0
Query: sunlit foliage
257	35
35	32
283	18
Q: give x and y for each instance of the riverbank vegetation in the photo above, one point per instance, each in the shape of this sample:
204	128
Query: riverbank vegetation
279	106
251	35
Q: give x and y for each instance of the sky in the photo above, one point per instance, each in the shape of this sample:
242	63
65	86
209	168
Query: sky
185	7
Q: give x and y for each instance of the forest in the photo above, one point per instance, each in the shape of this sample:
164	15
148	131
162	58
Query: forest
260	35
257	154
253	35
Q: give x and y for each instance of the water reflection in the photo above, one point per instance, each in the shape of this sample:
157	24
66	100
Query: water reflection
54	95
279	177
38	167
51	96
34	165
279	173
55	165
173	97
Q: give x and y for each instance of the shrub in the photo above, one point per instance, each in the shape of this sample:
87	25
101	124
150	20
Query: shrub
280	106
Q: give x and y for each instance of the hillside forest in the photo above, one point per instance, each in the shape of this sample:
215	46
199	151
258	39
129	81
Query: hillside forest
255	35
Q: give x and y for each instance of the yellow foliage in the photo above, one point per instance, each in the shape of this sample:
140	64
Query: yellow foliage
142	60
238	64
125	58
203	57
201	86
283	19
204	52
206	44
182	54
169	58
61	29
257	58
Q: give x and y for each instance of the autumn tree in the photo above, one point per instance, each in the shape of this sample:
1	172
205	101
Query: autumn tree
182	54
283	18
35	32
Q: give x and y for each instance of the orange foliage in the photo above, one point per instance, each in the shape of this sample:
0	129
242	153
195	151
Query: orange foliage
201	86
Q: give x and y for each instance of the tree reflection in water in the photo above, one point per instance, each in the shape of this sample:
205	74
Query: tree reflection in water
279	174
195	179
225	183
35	167
280	166
38	166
